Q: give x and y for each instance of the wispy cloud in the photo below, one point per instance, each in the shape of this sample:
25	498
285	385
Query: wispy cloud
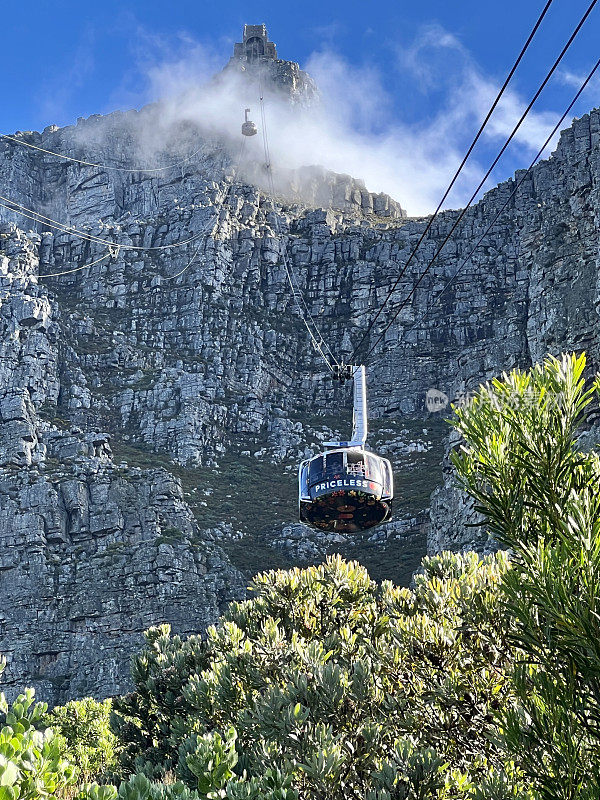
576	79
359	127
438	61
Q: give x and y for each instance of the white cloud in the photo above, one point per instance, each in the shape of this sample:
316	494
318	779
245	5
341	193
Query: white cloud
439	61
360	127
576	79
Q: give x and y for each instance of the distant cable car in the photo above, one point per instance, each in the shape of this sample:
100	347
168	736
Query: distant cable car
248	127
346	488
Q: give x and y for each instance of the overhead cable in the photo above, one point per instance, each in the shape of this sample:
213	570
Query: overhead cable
458	171
218	210
511	196
114	248
36	216
481	183
100	166
75	269
318	342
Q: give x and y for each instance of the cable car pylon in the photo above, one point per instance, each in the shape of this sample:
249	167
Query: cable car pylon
346	488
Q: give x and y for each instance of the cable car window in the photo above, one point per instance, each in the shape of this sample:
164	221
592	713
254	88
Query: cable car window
316	471
388	483
356	464
374	468
335	464
304	480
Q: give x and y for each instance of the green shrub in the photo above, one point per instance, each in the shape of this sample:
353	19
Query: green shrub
92	746
482	682
327	685
32	761
152	721
139	787
540	496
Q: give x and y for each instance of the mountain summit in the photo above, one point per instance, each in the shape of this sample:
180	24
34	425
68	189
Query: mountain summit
256	56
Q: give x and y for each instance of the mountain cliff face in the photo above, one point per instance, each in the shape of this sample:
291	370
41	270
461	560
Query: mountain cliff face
151	422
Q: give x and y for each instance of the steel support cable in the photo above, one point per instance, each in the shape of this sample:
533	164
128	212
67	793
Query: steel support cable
512	195
316	337
298	296
101	166
456	174
353	314
287	265
117	247
75	269
36	216
481	183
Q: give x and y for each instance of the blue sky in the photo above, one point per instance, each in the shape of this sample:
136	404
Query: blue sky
425	70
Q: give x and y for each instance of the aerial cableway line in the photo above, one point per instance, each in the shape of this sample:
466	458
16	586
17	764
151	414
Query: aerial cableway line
461	166
331	496
503	207
476	192
113	247
345	488
104	167
317	340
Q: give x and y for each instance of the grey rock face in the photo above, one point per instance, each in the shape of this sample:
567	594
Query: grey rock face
153	406
91	553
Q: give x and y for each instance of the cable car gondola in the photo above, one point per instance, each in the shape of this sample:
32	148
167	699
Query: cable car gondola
248	127
346	488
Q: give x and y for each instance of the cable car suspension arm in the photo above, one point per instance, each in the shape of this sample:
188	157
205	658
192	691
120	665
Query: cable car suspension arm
344	372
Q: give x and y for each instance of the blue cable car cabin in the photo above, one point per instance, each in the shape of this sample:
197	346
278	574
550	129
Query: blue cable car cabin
347	489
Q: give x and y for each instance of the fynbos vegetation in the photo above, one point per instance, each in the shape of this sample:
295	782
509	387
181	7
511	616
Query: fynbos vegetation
540	496
481	682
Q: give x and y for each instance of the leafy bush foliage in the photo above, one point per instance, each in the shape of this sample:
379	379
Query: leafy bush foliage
91	744
138	787
32	761
328	685
482	682
539	494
